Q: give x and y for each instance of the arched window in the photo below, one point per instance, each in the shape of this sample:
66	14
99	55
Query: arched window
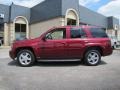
72	17
21	26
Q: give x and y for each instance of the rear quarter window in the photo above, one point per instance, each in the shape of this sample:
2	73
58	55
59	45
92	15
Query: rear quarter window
98	33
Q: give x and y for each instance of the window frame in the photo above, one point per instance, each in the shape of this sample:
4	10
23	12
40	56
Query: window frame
99	33
54	30
81	32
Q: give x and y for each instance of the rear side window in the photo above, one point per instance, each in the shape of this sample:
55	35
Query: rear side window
98	33
77	33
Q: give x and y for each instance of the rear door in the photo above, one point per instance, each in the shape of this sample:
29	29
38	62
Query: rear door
76	43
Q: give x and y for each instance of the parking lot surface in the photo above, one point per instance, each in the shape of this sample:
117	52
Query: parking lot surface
60	75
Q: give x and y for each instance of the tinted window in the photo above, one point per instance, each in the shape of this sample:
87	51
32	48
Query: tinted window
17	27
77	33
23	27
57	34
98	32
20	27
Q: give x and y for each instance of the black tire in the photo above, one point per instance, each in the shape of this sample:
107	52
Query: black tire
91	61
31	57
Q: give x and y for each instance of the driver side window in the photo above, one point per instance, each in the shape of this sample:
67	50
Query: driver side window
57	34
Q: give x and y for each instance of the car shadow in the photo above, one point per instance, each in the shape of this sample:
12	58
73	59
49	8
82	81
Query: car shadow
103	62
13	63
56	63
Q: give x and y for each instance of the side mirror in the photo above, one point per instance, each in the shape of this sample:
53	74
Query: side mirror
44	39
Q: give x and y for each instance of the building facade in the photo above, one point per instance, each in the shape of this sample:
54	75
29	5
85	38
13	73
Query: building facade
21	22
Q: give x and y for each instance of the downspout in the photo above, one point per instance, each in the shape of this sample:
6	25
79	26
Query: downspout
10	12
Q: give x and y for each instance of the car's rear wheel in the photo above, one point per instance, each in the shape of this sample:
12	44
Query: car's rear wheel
92	57
25	58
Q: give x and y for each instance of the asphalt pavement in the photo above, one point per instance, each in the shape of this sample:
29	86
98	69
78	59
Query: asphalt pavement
60	75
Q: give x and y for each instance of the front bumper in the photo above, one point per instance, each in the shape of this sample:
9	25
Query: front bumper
11	54
108	51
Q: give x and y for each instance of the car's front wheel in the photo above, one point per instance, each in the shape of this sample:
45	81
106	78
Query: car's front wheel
25	58
92	57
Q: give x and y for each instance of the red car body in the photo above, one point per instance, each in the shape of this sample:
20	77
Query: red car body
63	48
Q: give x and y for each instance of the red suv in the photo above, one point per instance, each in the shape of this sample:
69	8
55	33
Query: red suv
87	43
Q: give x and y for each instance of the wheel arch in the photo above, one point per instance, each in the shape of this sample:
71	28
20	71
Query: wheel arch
99	48
25	48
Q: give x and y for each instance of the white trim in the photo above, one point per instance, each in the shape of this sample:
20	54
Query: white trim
77	16
27	25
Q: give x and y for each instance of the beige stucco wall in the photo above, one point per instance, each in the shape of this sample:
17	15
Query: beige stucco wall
12	32
38	28
6	34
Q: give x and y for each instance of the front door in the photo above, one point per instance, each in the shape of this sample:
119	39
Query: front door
54	44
